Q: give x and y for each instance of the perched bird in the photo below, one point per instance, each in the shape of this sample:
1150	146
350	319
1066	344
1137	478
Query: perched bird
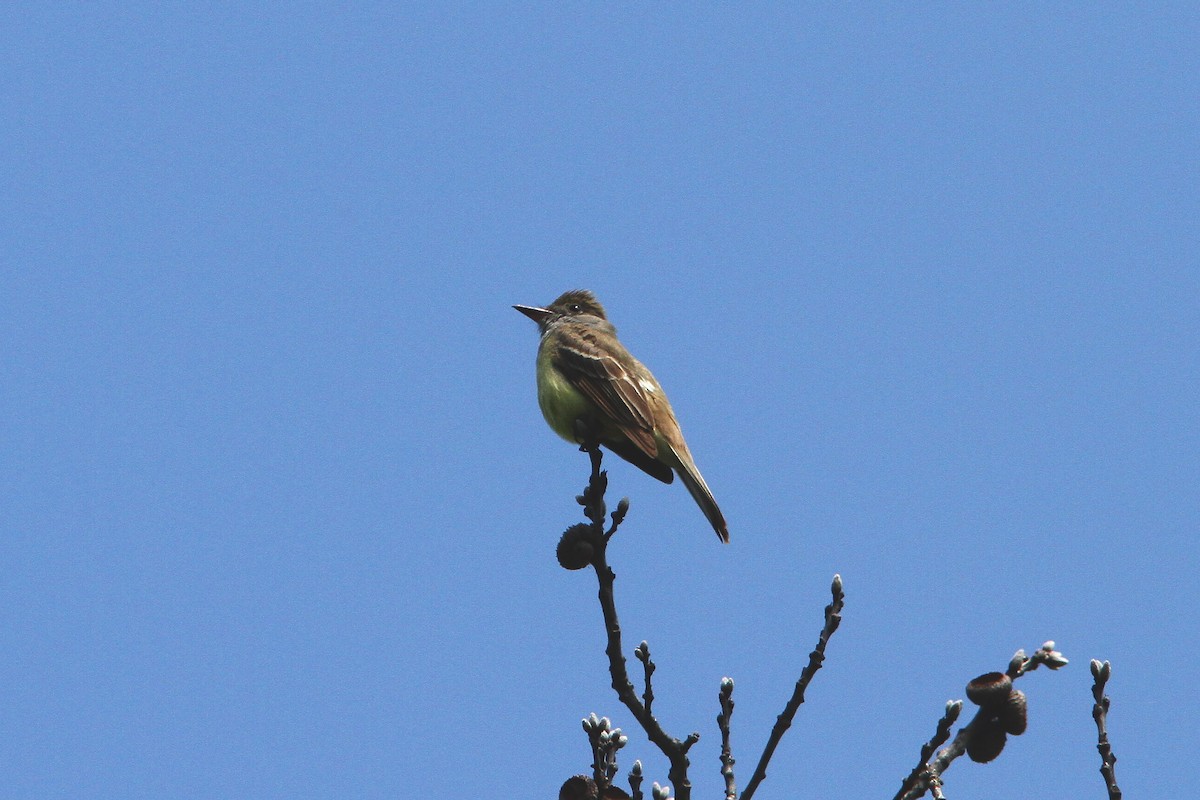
584	373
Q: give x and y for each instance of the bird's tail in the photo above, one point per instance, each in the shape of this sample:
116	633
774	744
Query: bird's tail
700	492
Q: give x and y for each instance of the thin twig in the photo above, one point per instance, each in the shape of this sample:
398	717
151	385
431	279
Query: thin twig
931	775
833	617
725	698
605	741
642	654
940	737
1045	655
1108	760
635	780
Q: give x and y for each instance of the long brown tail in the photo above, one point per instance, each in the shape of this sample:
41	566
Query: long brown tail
700	492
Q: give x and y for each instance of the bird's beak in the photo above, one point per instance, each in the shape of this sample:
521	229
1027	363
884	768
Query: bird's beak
538	315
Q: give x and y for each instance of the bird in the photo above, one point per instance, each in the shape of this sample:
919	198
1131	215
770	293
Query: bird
585	375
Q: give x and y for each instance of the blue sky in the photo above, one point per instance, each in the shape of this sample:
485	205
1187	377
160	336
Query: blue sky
280	509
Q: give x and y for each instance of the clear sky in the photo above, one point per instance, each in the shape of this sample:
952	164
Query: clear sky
279	509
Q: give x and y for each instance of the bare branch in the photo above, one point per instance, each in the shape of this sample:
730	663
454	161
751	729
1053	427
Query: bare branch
1108	760
833	617
605	741
725	698
920	773
1045	655
675	750
642	654
635	780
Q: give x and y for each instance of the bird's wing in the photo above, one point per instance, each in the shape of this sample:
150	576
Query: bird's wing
603	378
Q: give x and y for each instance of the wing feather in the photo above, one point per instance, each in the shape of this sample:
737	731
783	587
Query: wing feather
603	379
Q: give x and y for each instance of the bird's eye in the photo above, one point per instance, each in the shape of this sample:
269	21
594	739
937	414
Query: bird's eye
575	307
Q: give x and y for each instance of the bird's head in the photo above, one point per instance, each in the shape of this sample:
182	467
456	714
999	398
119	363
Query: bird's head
577	304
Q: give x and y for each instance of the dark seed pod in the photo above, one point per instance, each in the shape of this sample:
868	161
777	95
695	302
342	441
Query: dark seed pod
575	549
580	787
989	690
986	743
1012	713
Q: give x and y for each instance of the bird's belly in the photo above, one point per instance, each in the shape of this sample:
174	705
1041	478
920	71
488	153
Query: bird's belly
562	404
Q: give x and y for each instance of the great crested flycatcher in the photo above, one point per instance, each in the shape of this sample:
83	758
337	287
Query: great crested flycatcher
585	374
